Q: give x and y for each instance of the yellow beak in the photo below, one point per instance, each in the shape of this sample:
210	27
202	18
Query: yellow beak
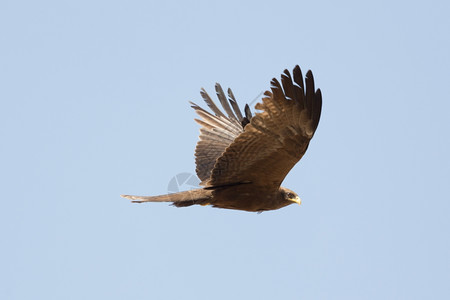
297	200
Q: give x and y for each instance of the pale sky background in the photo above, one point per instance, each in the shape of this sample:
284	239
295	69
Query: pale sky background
94	103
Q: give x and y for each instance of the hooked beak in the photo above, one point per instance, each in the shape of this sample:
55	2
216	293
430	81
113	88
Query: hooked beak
297	200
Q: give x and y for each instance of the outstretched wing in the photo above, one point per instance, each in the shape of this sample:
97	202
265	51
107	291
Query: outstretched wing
218	131
276	138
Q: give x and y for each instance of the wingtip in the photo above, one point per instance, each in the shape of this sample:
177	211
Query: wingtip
193	105
275	83
219	90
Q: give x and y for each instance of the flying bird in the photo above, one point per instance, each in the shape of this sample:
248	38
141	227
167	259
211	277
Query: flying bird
242	159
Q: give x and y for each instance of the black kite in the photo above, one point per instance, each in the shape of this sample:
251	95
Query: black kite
243	159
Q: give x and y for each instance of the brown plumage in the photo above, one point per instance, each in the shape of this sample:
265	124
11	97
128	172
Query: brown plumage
242	159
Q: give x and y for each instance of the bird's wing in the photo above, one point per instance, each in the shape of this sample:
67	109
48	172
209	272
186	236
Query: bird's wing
276	138
218	130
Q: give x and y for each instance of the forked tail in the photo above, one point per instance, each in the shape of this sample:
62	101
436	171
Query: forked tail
181	199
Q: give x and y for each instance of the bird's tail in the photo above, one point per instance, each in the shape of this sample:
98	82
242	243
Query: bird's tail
181	199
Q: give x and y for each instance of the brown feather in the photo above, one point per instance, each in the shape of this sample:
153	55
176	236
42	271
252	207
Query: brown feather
216	134
234	104
276	138
224	102
197	196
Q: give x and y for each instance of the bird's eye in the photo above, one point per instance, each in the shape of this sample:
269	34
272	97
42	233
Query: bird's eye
290	196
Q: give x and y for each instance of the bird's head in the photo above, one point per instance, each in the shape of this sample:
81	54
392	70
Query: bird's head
290	195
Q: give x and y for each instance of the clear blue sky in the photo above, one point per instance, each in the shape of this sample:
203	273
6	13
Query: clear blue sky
94	103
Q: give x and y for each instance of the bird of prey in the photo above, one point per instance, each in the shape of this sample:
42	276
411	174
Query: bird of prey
242	159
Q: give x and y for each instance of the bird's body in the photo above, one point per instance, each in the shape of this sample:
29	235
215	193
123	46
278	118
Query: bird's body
250	198
240	197
242	159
